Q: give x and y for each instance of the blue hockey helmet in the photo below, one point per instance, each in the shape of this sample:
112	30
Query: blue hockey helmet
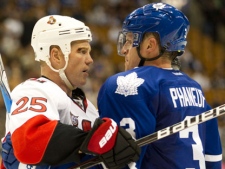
171	25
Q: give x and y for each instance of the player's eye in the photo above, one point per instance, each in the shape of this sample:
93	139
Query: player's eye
128	43
82	51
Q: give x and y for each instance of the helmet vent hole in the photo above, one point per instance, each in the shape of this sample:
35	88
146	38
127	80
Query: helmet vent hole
41	48
79	30
60	24
64	32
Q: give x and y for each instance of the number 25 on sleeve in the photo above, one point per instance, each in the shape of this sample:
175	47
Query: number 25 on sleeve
36	104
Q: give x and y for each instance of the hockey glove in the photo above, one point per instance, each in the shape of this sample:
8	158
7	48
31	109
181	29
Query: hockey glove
113	144
8	157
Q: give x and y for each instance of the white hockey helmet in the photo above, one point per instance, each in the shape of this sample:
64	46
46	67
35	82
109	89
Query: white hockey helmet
61	31
57	30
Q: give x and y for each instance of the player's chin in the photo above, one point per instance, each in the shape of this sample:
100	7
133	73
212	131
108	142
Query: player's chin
83	81
85	74
80	82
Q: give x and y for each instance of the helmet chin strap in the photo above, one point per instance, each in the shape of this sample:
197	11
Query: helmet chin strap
65	79
142	61
62	72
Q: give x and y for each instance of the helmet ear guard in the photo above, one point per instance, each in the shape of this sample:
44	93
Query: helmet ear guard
171	25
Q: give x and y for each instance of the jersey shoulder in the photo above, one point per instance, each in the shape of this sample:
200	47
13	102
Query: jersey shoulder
145	79
160	75
149	73
38	87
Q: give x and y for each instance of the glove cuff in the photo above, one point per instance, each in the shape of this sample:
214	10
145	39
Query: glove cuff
101	138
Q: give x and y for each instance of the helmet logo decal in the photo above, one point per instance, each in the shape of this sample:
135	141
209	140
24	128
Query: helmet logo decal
158	6
128	85
51	20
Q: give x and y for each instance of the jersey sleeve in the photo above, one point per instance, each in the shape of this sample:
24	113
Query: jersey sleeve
38	137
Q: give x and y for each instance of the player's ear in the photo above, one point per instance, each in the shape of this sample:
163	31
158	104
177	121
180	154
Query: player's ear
54	54
148	46
56	57
151	44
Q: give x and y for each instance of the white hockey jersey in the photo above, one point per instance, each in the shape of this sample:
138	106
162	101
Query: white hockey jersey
47	126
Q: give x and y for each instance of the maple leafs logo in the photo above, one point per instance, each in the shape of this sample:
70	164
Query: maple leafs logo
128	85
158	6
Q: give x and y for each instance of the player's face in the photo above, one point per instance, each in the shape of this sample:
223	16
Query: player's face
131	59
79	63
126	49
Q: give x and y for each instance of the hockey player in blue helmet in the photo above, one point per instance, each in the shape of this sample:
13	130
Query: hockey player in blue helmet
151	95
164	21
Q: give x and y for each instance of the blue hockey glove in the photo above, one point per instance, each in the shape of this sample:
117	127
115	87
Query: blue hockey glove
8	158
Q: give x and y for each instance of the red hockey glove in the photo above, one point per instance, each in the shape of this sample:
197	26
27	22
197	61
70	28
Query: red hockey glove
114	145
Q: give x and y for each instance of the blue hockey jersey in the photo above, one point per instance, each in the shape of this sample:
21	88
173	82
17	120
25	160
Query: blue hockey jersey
146	99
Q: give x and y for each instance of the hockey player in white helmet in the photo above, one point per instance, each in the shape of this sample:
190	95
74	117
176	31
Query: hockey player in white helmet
52	124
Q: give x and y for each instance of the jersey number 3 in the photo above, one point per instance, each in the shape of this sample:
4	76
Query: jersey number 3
197	148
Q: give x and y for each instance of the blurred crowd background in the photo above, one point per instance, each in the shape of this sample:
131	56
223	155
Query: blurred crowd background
204	59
